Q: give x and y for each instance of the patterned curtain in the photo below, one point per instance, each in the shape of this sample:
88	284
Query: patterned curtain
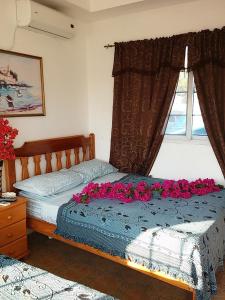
145	77
206	58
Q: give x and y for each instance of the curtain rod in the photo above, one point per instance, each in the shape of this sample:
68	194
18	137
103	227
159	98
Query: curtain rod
109	46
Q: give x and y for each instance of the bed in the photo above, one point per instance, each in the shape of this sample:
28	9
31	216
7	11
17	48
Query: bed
42	221
21	281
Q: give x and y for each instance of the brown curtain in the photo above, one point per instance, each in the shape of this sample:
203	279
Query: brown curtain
206	58
145	77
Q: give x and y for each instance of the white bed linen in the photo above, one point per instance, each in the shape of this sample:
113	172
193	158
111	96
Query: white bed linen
46	208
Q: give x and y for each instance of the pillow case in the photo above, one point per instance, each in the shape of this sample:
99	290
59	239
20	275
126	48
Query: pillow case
50	183
92	169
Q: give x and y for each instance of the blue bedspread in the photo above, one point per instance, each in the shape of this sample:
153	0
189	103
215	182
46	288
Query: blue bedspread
184	239
20	281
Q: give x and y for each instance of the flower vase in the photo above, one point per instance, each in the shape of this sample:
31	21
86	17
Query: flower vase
1	165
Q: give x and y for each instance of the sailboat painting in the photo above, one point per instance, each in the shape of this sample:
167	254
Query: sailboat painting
21	85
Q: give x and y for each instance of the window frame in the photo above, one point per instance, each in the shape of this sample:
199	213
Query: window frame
198	139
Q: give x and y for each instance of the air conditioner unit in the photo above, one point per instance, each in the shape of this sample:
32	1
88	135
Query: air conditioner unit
37	17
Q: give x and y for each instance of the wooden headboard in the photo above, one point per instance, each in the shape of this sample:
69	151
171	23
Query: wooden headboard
78	144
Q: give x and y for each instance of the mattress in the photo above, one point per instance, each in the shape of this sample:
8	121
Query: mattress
46	207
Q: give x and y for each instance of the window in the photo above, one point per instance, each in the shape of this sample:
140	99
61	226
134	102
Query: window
185	117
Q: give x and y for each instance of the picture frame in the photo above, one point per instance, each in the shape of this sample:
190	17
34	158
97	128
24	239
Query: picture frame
21	85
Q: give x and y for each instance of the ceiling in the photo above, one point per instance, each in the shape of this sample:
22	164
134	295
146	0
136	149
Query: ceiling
98	5
89	10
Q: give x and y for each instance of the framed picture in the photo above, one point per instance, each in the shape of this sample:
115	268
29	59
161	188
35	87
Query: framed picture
21	85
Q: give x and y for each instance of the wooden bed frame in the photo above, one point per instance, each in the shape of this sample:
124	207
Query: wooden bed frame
80	146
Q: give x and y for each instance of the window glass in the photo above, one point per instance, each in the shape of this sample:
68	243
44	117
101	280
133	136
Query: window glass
198	128
182	82
179	117
176	125
196	107
180	104
177	120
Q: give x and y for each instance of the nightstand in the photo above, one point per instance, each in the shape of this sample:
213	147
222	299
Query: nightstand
13	236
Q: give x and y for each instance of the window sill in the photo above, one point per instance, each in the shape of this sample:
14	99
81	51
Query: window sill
202	140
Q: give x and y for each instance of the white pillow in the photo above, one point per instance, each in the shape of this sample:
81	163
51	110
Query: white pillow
50	183
92	169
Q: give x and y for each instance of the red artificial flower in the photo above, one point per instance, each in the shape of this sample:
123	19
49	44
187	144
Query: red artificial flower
7	135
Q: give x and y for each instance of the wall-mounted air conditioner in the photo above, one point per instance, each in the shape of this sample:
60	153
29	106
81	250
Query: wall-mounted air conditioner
37	17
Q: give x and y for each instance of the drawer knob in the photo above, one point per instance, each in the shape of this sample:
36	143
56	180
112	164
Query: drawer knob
9	235
9	217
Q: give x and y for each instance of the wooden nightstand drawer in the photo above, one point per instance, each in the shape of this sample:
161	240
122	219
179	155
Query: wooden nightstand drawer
12	232
16	249
12	215
13	239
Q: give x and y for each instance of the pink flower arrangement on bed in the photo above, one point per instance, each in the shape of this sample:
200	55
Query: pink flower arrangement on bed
143	192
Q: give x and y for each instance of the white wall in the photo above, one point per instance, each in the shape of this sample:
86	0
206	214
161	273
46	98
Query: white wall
175	160
7	23
65	80
64	68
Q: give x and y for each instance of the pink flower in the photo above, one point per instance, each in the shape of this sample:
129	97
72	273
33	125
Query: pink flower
156	186
185	195
175	194
143	192
165	194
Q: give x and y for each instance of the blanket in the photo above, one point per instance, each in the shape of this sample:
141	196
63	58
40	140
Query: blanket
181	238
21	281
